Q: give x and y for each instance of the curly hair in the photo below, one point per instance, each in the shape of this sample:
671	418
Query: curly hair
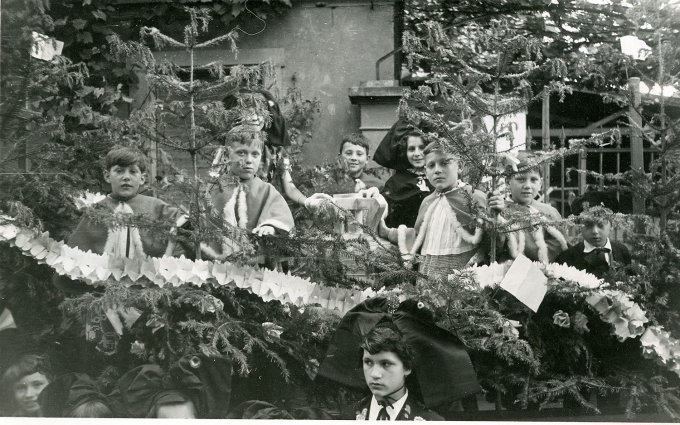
401	147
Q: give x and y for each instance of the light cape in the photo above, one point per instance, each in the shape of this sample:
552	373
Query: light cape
90	235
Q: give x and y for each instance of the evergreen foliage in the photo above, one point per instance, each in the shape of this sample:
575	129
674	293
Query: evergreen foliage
523	359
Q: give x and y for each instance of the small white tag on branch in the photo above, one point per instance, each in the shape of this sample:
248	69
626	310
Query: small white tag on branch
44	47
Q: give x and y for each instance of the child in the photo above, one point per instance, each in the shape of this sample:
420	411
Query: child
387	361
408	187
294	194
354	153
125	171
250	203
544	243
596	253
447	234
75	395
22	384
193	387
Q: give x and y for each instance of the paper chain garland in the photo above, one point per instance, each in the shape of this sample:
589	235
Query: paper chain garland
614	306
96	269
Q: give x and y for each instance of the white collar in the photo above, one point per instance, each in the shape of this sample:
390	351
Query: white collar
587	247
392	411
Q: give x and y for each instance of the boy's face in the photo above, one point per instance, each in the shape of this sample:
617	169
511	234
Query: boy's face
125	180
414	151
176	411
244	160
524	187
26	392
441	170
384	373
355	157
596	233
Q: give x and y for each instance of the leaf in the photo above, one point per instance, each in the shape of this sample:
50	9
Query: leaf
79	24
99	14
85	37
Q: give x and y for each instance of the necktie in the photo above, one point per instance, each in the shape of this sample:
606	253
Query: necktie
598	254
382	414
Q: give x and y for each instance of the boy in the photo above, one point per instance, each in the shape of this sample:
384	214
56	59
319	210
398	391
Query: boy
250	204
447	234
544	243
596	253
22	384
387	361
354	153
125	171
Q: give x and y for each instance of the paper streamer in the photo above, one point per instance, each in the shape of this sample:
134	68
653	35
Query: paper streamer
95	269
615	307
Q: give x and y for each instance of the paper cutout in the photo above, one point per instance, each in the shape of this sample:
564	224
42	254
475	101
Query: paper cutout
7	320
526	282
44	47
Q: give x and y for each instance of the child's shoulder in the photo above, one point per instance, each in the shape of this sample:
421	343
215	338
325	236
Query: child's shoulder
145	202
371	180
261	188
547	209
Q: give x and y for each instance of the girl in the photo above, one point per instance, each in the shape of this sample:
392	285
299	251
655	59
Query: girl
406	189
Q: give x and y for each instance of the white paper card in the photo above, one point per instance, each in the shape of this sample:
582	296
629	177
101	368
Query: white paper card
526	282
44	47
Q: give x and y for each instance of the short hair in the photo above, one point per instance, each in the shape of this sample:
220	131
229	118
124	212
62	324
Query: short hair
387	339
436	147
355	139
125	157
595	215
27	364
246	135
91	409
527	164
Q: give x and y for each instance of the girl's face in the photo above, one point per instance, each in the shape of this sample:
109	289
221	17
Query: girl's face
441	170
414	151
26	392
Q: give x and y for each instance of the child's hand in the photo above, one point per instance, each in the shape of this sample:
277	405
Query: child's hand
371	192
264	230
315	200
496	201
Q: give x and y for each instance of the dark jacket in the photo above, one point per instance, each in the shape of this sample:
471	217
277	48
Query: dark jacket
412	409
575	257
404	196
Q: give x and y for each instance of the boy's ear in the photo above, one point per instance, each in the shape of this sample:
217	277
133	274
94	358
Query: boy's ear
407	372
107	176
